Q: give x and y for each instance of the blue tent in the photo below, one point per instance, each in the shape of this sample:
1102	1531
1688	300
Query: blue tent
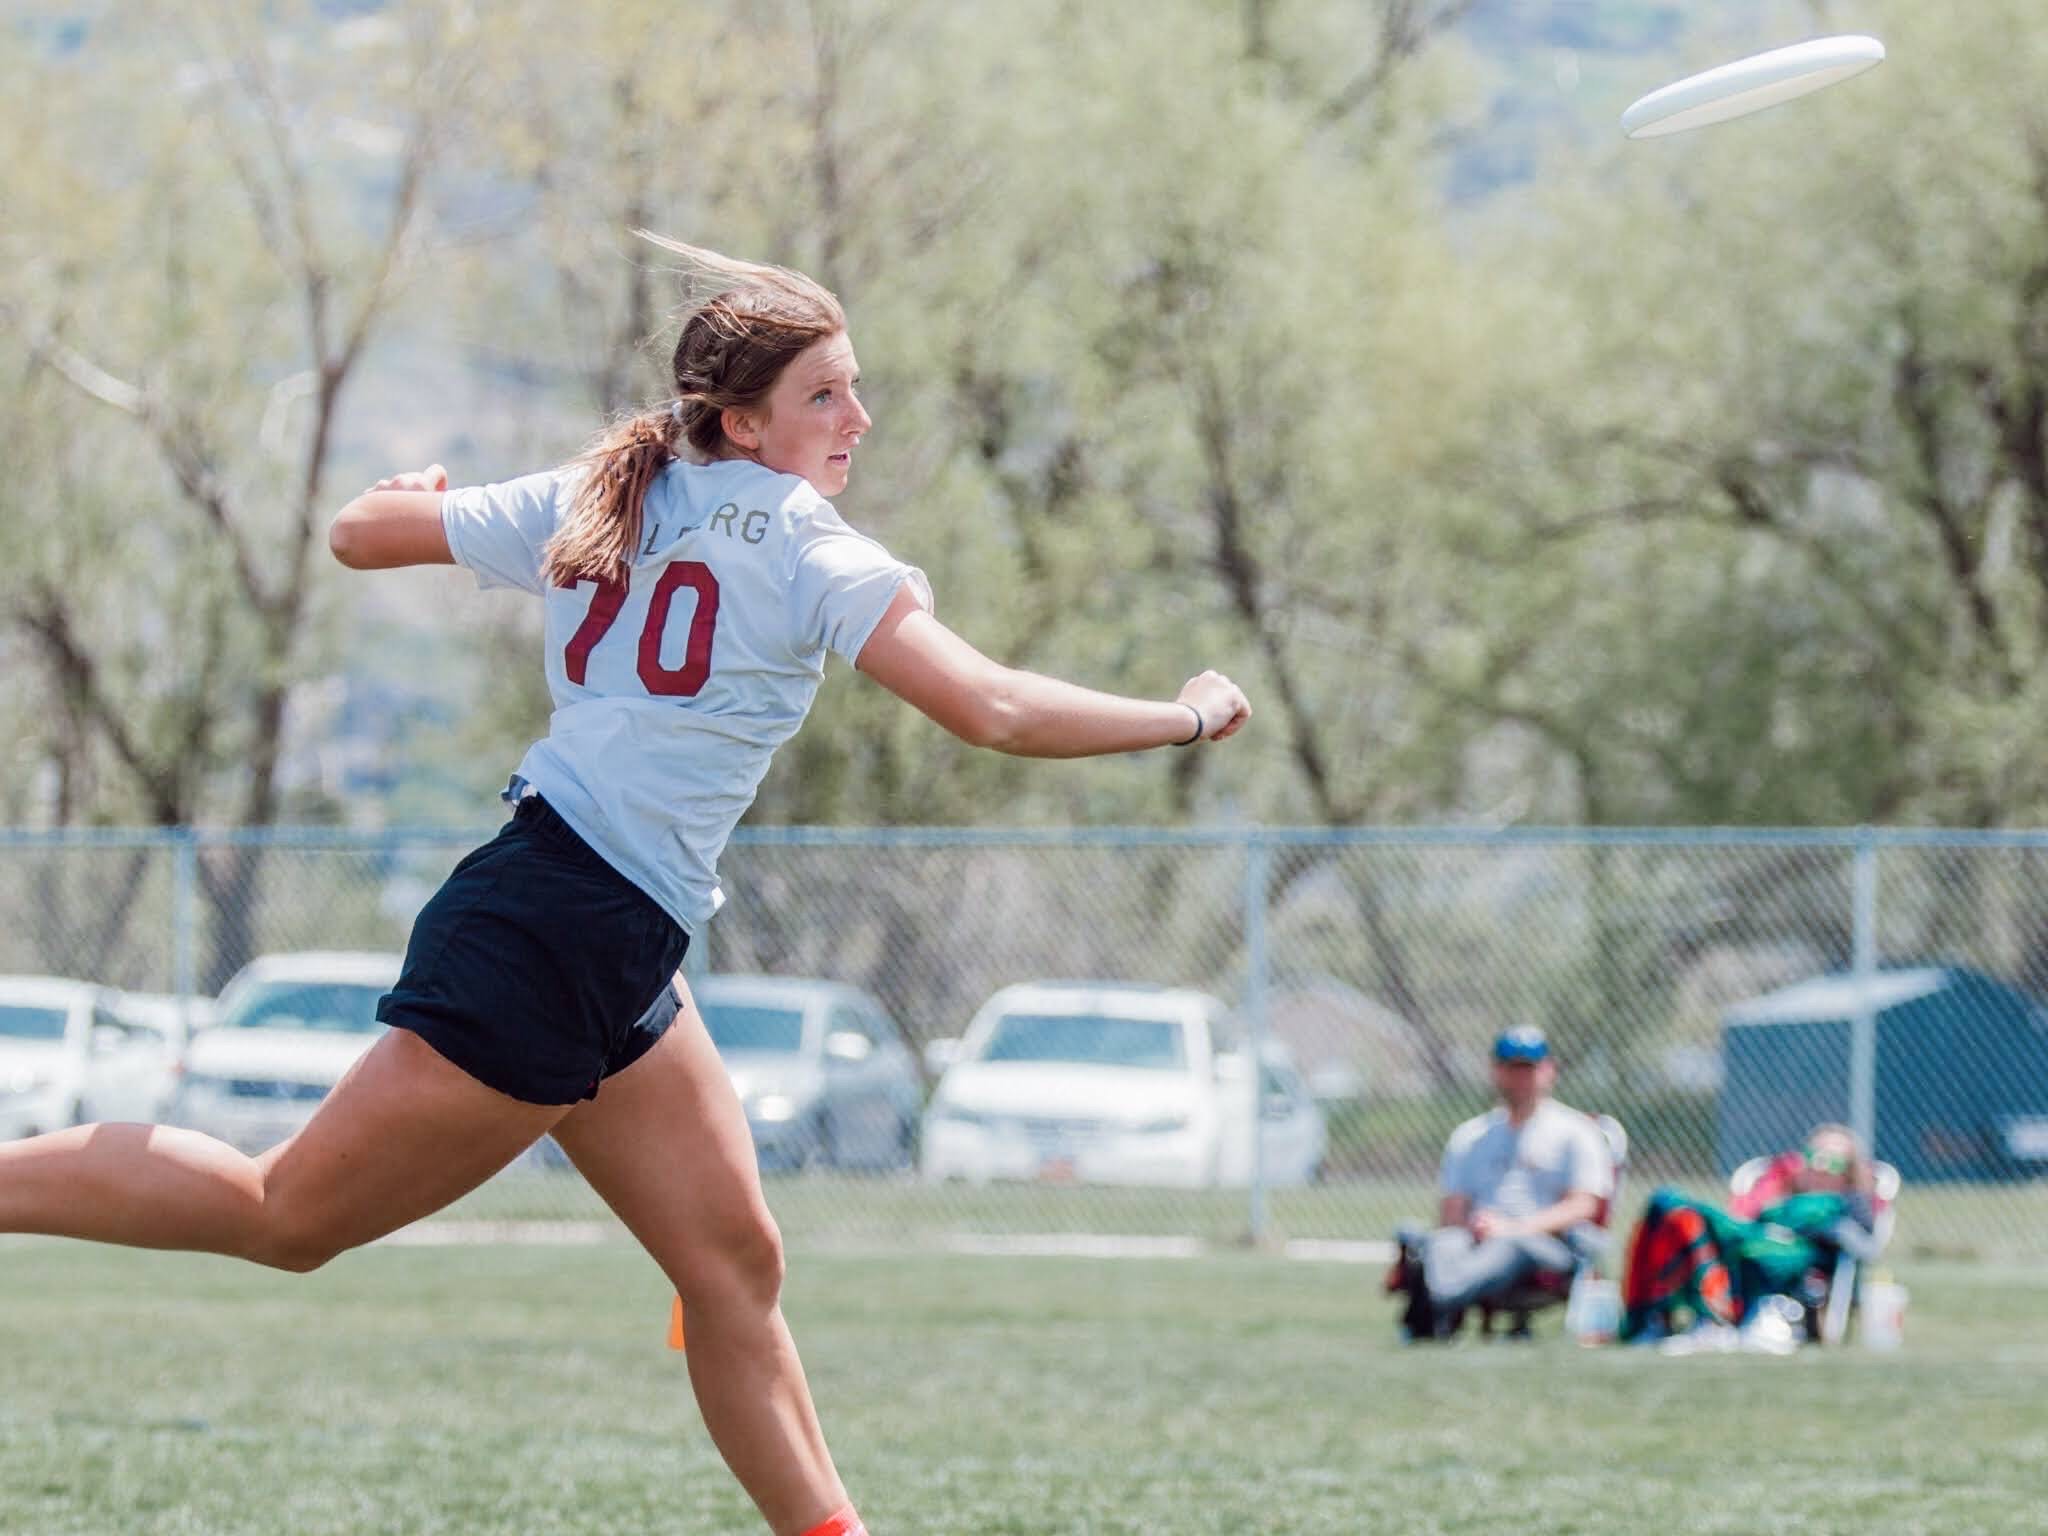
1961	1071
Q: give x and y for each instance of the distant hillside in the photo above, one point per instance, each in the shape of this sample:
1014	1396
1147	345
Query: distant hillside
1600	26
1566	68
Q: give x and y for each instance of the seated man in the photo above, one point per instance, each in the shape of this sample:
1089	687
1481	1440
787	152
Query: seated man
1521	1190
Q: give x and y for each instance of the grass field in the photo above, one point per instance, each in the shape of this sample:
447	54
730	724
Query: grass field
2005	1223
524	1390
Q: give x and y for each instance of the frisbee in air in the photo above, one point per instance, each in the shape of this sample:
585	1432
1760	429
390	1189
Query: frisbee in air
1751	84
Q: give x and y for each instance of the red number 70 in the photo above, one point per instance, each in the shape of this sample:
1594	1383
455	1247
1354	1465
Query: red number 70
682	682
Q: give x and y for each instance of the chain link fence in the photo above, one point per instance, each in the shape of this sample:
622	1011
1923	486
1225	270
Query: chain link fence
1717	993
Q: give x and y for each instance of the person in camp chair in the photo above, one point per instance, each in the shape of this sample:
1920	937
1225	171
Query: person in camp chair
1521	1188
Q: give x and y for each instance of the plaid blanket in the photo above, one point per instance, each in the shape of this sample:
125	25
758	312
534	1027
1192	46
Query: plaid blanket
1690	1257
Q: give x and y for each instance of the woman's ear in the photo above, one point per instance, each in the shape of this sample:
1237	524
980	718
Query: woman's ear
740	428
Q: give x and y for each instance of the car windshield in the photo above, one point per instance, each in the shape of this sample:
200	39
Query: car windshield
754	1027
1088	1038
330	1007
21	1023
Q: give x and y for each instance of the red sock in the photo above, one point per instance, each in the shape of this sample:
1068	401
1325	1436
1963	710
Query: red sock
843	1523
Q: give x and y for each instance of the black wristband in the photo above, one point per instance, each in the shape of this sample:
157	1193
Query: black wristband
1201	725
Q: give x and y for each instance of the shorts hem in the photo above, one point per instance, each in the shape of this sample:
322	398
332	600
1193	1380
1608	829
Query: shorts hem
647	1032
446	1044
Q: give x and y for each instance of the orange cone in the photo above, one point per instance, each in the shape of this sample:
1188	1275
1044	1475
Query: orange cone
675	1325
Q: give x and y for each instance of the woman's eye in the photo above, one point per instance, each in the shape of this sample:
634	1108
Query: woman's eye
823	394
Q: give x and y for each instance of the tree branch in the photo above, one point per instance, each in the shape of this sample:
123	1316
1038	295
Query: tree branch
46	618
177	441
828	55
1733	494
251	67
1243	579
1913	388
1406	28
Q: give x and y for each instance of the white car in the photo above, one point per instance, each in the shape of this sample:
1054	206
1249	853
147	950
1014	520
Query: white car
70	1053
821	1068
175	1018
1097	1082
1293	1131
284	1030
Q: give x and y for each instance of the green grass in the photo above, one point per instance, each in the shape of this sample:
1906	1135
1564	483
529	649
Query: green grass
523	1391
1996	1222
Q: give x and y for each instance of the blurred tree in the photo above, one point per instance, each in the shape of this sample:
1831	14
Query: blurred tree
196	274
1775	543
1696	482
1754	528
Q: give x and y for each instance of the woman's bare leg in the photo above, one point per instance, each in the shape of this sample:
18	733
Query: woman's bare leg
665	1142
401	1135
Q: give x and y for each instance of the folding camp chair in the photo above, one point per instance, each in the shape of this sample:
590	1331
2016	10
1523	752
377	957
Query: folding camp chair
1833	1286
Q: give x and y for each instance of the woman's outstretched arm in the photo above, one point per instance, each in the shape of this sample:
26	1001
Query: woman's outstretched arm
395	522
987	704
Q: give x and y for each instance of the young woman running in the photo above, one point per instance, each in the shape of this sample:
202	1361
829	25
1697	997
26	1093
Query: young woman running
694	576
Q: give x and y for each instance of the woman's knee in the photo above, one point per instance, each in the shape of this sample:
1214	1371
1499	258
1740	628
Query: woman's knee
756	1255
293	1239
741	1259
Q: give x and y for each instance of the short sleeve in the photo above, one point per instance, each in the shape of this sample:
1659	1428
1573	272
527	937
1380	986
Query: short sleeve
1454	1175
501	531
1592	1165
843	582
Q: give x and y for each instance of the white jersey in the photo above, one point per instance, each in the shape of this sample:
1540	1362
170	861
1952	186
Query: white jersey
1520	1171
672	691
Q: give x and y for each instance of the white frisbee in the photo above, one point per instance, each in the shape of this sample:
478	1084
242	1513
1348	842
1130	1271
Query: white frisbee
1751	84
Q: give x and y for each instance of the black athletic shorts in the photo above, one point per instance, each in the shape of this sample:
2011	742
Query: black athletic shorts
538	968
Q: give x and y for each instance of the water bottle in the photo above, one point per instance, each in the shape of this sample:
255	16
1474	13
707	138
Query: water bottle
1592	1313
1884	1312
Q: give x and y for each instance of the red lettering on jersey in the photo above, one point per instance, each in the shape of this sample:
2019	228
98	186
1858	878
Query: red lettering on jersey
687	680
682	682
604	612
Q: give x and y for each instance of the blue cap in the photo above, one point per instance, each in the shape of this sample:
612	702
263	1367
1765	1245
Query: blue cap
1524	1042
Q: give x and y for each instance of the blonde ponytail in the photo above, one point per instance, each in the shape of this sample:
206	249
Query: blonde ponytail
595	542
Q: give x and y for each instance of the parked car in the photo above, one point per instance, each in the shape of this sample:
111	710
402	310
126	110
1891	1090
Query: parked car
1293	1128
1099	1082
285	1028
176	1018
821	1068
70	1053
